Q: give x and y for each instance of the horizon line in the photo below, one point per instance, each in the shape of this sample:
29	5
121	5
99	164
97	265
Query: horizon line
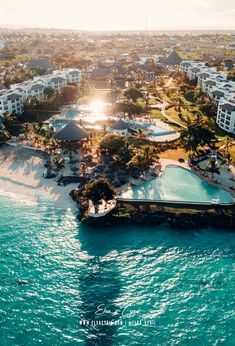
21	26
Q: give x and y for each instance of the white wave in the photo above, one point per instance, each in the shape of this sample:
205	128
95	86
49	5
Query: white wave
18	197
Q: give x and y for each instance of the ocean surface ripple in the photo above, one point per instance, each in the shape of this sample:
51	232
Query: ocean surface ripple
149	285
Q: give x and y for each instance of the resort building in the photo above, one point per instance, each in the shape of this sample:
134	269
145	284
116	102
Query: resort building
192	68
13	100
60	78
201	72
226	115
28	89
215	84
218	95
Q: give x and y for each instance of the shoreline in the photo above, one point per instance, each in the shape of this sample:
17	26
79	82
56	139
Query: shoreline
21	179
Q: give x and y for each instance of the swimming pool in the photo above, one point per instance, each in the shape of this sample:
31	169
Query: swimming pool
179	185
72	115
88	118
154	130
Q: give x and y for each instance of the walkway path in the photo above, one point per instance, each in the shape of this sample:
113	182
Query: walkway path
162	106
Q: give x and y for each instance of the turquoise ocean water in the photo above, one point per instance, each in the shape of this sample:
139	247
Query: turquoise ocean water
159	286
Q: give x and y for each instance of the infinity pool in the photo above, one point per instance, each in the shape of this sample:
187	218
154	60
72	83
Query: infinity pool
179	184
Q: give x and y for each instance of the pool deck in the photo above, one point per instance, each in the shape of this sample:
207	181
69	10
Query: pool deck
160	168
225	183
167	137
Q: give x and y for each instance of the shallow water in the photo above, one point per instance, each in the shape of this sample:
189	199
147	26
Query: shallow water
55	273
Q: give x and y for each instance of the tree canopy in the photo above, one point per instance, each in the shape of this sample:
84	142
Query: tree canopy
99	190
113	143
195	135
231	75
128	108
133	94
69	94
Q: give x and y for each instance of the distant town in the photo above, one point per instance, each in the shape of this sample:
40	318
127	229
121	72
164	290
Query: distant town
32	61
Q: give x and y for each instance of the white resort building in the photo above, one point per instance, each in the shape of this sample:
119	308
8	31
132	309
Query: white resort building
226	115
12	100
215	84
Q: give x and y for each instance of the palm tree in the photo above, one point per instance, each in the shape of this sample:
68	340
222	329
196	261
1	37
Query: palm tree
212	166
104	128
9	118
52	145
138	161
58	162
99	190
38	127
70	148
27	130
229	159
4	136
117	160
83	168
228	143
150	152
140	133
199	117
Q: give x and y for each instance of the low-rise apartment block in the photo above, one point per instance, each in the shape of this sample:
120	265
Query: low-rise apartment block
215	84
12	100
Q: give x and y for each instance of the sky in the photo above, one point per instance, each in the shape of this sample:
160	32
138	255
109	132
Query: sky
119	14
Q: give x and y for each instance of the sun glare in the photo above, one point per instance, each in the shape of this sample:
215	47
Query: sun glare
97	106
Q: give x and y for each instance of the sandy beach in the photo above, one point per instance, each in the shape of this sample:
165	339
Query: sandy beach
21	171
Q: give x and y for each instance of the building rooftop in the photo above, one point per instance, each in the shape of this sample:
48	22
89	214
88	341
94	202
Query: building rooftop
204	74
218	93
13	97
57	79
71	132
120	125
228	106
37	87
210	82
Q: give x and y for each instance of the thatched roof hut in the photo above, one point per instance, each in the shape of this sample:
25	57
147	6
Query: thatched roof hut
120	125
71	133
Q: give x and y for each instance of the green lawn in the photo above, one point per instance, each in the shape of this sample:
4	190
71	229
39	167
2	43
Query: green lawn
232	152
174	154
156	114
174	114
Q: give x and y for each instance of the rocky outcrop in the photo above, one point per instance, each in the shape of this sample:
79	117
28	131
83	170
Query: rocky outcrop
184	220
